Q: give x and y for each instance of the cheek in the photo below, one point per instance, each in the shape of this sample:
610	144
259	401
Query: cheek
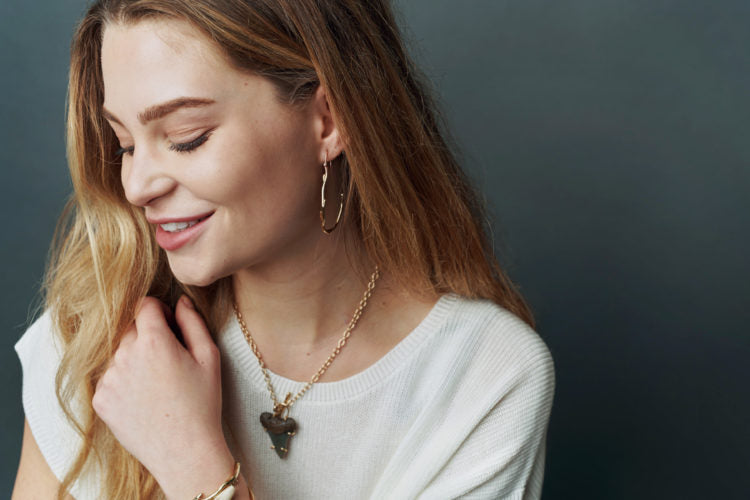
223	172
272	168
270	193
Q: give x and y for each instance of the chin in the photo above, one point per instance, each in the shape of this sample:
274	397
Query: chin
194	275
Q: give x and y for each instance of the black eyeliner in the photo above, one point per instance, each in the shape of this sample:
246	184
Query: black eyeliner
122	151
186	147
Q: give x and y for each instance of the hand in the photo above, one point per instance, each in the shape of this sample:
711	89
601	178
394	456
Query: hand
163	402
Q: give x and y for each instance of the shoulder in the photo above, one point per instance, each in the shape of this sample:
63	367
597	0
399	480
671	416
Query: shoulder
484	385
484	335
38	338
40	350
485	357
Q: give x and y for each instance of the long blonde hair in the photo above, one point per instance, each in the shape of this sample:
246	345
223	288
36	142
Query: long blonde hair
415	214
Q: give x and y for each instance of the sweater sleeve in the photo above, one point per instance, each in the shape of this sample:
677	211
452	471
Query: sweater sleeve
40	351
503	456
484	397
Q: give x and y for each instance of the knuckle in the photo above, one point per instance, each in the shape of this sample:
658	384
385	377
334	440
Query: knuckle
151	317
151	341
121	356
211	355
149	301
149	306
97	402
212	351
207	356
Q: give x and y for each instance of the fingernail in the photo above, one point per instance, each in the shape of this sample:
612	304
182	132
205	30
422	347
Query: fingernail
186	300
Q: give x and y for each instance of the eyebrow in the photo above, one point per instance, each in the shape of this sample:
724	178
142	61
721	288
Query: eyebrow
161	110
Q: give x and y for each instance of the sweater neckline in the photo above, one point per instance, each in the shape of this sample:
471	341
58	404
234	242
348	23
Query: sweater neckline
352	386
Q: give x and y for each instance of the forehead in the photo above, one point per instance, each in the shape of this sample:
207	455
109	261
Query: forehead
155	60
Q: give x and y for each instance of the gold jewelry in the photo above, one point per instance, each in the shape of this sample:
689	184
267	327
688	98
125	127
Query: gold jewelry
279	426
242	456
226	490
326	230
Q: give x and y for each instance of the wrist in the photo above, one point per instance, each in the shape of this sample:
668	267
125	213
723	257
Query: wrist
226	490
204	475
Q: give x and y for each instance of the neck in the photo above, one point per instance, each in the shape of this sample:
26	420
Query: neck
297	310
302	304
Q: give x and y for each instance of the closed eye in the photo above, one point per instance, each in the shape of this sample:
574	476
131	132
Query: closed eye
186	147
122	151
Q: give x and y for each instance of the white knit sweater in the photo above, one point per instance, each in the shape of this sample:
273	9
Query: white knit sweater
459	408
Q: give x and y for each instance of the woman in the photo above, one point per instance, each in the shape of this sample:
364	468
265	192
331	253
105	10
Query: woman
272	171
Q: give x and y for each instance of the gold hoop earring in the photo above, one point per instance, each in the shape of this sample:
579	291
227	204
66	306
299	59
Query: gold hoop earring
327	230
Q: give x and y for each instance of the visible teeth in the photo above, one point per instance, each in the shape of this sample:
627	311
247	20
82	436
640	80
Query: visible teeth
174	227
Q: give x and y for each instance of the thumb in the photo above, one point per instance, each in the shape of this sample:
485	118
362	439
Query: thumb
194	332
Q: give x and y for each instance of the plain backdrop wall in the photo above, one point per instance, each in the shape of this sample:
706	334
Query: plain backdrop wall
611	141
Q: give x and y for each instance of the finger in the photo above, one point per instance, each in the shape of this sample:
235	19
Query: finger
128	338
151	318
195	333
124	347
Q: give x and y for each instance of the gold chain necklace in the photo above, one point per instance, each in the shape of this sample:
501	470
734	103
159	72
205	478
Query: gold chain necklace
279	426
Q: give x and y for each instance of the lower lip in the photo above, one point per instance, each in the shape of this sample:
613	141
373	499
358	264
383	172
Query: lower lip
173	241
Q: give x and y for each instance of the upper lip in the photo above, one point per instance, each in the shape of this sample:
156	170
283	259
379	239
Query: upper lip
167	220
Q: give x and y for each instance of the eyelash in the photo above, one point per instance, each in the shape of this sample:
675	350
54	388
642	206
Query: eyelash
122	151
185	147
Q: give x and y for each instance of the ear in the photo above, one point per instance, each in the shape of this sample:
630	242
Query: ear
328	134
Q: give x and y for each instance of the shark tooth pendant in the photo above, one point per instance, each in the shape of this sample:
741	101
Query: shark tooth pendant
280	427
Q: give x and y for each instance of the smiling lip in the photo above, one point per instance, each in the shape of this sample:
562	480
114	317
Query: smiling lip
173	240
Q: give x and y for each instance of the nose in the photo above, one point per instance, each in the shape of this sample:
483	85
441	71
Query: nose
144	180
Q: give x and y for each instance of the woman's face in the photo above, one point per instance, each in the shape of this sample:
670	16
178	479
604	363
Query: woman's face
229	175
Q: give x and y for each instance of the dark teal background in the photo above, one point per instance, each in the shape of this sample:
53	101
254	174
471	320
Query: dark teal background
611	141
